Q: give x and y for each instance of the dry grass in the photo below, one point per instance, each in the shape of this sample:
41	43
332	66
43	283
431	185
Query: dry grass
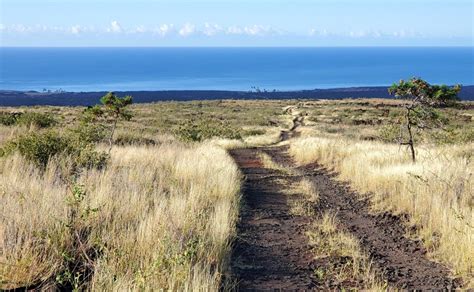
332	245
271	136
437	191
165	218
269	163
304	206
308	189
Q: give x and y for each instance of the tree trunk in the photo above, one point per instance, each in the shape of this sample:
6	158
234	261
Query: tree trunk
410	136
111	138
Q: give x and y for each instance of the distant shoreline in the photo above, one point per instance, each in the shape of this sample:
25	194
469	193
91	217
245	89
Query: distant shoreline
32	98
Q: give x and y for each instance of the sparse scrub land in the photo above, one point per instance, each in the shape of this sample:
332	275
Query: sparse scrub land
139	197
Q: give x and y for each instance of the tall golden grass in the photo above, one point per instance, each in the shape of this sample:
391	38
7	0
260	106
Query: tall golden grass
437	191
157	217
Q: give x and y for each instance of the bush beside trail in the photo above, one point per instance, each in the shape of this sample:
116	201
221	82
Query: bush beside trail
39	120
39	148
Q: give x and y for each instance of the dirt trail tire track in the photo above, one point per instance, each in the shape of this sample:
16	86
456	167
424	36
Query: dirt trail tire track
401	261
272	251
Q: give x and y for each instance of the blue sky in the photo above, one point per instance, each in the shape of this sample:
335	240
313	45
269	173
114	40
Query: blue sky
236	23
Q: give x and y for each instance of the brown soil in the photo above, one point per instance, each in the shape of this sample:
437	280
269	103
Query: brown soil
272	250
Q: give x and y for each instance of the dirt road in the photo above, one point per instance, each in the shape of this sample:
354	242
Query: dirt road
272	249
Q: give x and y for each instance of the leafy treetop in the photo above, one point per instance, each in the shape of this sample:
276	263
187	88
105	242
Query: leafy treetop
422	93
112	105
422	97
112	110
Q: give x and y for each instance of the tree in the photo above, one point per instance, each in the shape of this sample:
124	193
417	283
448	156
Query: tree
422	98
112	110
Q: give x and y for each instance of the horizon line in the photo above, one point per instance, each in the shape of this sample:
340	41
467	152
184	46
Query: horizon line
257	46
263	90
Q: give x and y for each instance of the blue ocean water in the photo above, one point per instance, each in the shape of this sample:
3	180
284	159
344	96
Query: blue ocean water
91	69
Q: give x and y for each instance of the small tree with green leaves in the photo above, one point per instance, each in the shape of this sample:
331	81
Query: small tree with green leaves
111	111
422	99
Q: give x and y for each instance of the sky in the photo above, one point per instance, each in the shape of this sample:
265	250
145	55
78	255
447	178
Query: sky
58	23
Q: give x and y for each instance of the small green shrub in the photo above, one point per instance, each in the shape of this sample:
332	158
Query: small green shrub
253	132
89	133
39	120
332	130
131	139
453	135
389	133
8	119
195	131
87	157
39	148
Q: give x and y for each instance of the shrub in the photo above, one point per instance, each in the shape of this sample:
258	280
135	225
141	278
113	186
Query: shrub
88	157
389	133
39	148
131	139
89	133
8	119
253	132
453	135
195	131
39	120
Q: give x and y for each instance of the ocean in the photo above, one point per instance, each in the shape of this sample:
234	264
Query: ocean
127	69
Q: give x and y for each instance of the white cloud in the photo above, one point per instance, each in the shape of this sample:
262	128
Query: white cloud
401	33
234	30
358	34
376	34
211	29
20	28
407	33
187	29
318	33
76	29
255	30
164	29
115	27
261	30
206	29
139	29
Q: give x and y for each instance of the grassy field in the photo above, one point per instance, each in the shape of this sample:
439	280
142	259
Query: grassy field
161	209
